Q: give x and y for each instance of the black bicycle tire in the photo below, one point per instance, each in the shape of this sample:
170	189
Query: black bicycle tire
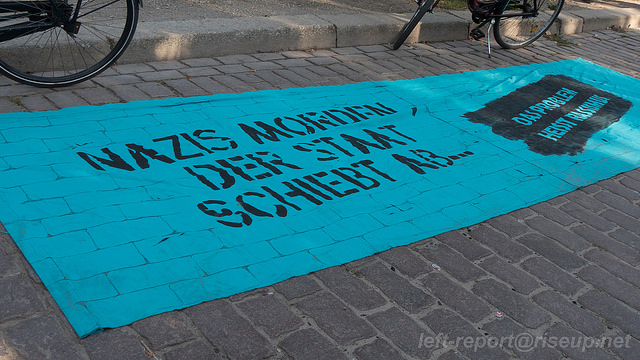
497	32
409	26
93	70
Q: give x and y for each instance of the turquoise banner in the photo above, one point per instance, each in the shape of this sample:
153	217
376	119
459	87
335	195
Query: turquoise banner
130	210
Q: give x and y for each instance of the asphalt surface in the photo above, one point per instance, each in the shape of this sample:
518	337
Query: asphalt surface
390	305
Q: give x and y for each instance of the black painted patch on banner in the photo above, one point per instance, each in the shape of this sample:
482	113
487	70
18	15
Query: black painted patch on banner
554	116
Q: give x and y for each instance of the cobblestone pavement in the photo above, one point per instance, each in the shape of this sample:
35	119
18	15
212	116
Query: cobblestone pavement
565	271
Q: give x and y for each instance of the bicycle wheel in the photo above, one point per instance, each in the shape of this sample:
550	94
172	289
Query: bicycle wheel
51	43
415	19
512	31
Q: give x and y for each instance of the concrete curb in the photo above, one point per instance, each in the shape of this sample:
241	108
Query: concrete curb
174	40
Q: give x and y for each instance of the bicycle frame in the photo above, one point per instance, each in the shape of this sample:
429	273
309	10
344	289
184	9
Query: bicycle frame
40	16
474	6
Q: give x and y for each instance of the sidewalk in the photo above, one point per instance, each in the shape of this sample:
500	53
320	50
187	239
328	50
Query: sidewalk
393	305
185	29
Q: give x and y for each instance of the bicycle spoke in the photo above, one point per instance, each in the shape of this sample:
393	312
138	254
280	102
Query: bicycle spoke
71	50
101	7
524	22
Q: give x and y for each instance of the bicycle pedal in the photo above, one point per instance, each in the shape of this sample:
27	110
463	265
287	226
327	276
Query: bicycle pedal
477	34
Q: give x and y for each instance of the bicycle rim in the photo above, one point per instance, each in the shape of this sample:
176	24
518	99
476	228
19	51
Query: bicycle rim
51	56
518	31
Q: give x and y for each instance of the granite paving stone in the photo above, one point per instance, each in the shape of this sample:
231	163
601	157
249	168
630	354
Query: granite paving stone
553	251
65	99
155	90
19	298
129	92
586	352
620	218
614	266
451	355
132	68
194	72
42	337
403	331
210	85
166	65
587	217
633	174
580	197
509	225
291	76
461	242
297	287
612	310
335	318
458	298
116	343
468	340
552	275
185	87
396	288
617	189
194	350
123	79
160	75
631	183
619	249
378	349
628	350
558	233
507	332
570	312
202	62
271	314
236	59
511	303
404	260
626	237
520	280
10	105
36	103
551	213
166	329
233	83
613	285
451	262
224	327
9	264
351	288
267	56
309	344
499	243
271	77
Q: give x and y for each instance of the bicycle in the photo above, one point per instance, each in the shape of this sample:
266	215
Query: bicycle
50	43
516	23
